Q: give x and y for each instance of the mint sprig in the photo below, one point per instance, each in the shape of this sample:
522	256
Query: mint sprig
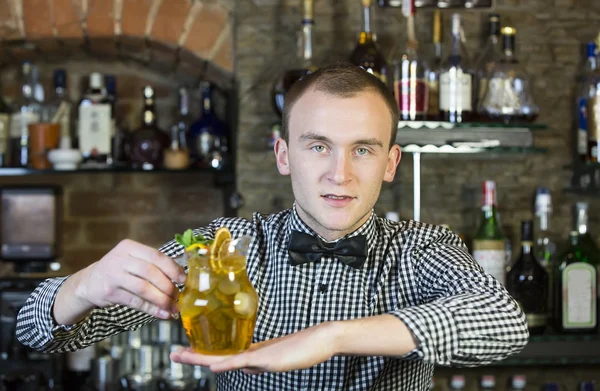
188	238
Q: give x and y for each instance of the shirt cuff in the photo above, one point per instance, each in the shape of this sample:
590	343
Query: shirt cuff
433	328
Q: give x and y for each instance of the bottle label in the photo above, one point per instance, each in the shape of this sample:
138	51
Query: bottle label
536	320
94	129
433	102
491	256
455	91
412	96
19	122
579	296
4	129
582	127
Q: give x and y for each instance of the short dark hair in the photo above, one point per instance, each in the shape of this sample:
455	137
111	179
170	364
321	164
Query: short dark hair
343	80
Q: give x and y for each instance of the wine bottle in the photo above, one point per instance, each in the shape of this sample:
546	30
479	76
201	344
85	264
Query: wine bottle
433	68
456	80
575	294
527	282
366	53
489	246
149	141
545	246
489	58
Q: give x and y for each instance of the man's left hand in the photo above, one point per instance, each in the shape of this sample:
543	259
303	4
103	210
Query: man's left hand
300	350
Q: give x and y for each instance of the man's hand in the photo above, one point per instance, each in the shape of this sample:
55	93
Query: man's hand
131	274
300	350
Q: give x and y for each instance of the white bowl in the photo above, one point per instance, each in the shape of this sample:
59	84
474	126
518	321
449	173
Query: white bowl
64	159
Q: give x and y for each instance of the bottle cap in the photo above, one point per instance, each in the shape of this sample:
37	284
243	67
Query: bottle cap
457	381
96	81
519	381
527	231
488	381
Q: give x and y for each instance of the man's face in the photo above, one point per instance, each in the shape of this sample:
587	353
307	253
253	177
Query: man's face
338	156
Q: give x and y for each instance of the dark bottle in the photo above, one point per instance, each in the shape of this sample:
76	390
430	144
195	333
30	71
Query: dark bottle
488	59
527	282
550	387
5	113
78	371
366	53
587	386
148	142
456	80
208	135
120	137
576	308
304	61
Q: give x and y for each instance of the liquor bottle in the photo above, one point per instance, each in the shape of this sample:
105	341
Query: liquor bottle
5	113
545	246
177	156
433	67
95	122
456	80
303	63
487	383
389	3
518	382
457	383
550	387
410	87
366	53
489	248
585	91
148	143
589	245
57	109
587	386
508	96
78	370
27	110
527	282
120	150
208	133
576	297
490	56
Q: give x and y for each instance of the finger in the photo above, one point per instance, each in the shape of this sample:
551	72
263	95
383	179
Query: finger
128	299
147	292
188	356
152	255
150	272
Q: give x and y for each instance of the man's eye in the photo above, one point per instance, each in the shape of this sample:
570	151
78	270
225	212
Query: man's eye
319	148
362	151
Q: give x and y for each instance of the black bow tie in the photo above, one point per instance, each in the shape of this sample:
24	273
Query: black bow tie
305	248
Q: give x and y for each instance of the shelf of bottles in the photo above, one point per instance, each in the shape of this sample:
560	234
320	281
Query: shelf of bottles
442	4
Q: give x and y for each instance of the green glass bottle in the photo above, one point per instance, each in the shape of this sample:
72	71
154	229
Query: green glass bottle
489	244
575	294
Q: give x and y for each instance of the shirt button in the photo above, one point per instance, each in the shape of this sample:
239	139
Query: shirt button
323	288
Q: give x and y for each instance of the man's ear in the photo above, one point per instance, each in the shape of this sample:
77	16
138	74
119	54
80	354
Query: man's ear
281	156
393	160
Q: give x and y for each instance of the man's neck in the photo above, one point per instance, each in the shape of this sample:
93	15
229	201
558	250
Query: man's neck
328	234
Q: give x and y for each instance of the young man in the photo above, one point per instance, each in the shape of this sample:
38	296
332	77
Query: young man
410	297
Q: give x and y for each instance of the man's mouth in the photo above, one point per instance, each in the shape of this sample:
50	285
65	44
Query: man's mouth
336	197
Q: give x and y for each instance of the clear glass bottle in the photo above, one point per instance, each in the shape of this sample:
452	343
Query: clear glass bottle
508	97
177	156
303	65
58	108
410	86
527	282
486	62
545	246
456	80
27	110
433	67
366	53
149	142
95	123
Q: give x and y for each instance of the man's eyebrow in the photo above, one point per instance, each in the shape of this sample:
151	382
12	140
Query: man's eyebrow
369	141
314	136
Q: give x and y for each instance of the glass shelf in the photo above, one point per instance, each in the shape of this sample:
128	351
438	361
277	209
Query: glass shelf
557	350
222	177
468	125
467	149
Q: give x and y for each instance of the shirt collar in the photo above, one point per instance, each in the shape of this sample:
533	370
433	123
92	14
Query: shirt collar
368	228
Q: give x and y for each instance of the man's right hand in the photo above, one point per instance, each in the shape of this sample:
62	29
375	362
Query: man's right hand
131	274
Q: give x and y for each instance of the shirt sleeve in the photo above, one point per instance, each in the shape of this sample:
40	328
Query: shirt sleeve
465	317
37	328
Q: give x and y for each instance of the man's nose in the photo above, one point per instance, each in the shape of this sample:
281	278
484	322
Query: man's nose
341	171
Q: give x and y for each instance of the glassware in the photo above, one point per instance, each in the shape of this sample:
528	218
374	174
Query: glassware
95	122
218	304
489	58
148	142
367	54
304	61
433	67
508	96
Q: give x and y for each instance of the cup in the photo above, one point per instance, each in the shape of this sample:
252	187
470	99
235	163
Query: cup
43	137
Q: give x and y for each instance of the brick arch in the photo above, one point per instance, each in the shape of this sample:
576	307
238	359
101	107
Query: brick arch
188	37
